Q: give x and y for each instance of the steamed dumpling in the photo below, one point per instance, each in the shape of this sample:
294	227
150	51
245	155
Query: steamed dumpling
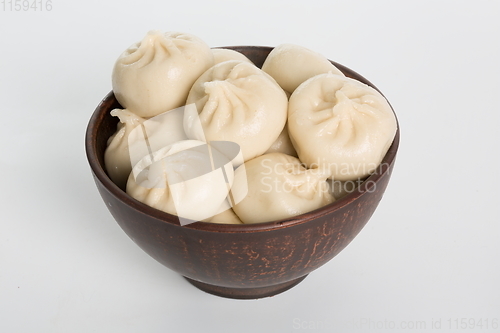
155	75
179	180
283	144
290	65
136	137
221	55
340	189
349	125
279	186
226	216
116	155
236	101
156	133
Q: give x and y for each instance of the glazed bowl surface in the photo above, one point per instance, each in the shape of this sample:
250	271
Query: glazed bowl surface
238	261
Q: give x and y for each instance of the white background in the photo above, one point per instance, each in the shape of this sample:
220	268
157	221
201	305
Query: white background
428	260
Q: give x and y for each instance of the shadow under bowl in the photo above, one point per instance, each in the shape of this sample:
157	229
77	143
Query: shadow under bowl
238	261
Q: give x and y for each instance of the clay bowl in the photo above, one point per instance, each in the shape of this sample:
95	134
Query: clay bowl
238	261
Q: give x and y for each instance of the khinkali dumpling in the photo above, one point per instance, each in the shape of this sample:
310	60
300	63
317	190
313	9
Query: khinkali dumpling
221	55
283	144
136	137
226	216
116	155
290	65
341	125
340	189
180	179
236	101
155	75
279	186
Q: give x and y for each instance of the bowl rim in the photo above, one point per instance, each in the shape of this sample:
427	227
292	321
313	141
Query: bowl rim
365	187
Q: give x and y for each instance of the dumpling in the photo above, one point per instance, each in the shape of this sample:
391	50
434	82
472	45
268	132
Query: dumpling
226	216
236	101
156	133
155	75
283	144
221	55
290	65
279	186
136	137
349	126
179	179
116	155
340	189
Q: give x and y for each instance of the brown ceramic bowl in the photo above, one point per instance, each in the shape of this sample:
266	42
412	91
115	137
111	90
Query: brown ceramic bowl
238	261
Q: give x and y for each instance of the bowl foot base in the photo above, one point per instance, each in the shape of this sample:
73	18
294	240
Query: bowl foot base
245	293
